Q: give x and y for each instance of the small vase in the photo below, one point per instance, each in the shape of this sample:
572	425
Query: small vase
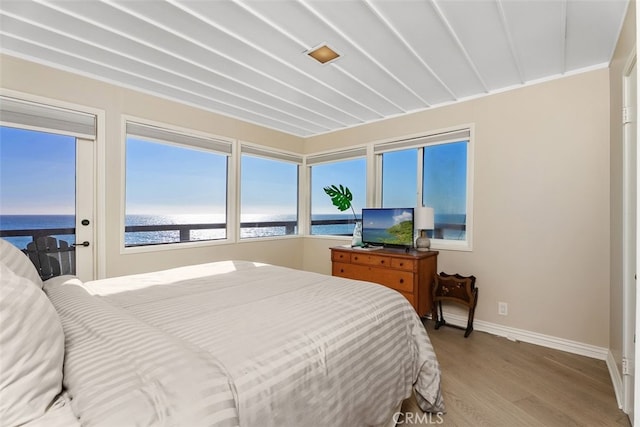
356	240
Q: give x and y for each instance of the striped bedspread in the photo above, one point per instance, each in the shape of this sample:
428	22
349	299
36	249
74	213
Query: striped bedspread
242	343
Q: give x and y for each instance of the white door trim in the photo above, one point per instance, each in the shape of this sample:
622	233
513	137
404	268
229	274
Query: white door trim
97	162
629	235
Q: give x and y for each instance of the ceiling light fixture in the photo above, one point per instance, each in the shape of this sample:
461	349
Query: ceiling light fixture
323	54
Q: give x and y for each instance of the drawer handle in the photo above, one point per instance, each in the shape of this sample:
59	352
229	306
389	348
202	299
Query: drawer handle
382	262
342	270
401	280
355	257
402	264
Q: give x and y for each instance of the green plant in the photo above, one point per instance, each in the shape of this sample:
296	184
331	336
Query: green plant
341	198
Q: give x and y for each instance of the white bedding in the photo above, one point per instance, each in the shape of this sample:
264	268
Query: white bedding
241	343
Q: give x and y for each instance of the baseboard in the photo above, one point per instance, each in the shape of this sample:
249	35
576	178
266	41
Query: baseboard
515	334
569	346
616	379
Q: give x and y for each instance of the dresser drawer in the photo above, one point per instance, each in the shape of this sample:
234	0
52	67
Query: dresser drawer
340	256
403	264
398	280
368	259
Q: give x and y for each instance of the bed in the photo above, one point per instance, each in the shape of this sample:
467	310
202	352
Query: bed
230	343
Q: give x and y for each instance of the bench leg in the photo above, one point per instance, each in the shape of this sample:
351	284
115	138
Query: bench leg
472	311
439	316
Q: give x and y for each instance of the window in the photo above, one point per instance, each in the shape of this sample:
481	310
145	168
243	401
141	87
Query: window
444	187
175	186
268	193
346	168
434	170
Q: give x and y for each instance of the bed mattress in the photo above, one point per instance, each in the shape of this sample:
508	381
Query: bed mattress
241	343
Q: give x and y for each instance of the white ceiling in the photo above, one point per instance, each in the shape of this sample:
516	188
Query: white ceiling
246	59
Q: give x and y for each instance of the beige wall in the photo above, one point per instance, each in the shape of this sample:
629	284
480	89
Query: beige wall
30	78
541	203
541	192
624	49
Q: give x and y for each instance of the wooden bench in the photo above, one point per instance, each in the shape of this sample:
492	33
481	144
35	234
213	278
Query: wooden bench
457	289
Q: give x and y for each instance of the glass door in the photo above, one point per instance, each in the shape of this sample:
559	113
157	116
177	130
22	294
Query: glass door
46	199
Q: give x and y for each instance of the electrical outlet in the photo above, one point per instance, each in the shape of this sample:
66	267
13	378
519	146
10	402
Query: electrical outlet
503	308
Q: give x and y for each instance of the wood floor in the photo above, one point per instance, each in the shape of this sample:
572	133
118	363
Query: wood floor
491	381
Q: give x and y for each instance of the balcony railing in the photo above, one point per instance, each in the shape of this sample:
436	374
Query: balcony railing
35	233
184	230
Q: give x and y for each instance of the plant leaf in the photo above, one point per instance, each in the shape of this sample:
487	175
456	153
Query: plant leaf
340	197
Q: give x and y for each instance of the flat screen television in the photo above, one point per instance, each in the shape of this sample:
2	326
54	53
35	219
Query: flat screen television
389	227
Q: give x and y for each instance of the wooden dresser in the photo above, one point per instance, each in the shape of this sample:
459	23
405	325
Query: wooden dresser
410	273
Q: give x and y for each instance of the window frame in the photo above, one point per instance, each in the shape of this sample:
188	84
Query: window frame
419	141
328	157
196	139
268	153
371	152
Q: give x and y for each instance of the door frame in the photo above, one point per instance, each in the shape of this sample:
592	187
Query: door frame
630	239
95	161
85	209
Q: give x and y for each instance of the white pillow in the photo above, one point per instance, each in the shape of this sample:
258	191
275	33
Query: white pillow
19	262
32	350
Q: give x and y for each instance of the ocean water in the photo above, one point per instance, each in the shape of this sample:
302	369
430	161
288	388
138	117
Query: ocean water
35	222
31	222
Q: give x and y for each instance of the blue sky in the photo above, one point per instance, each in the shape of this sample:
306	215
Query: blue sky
161	179
262	187
400	186
37	176
445	182
37	173
349	173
